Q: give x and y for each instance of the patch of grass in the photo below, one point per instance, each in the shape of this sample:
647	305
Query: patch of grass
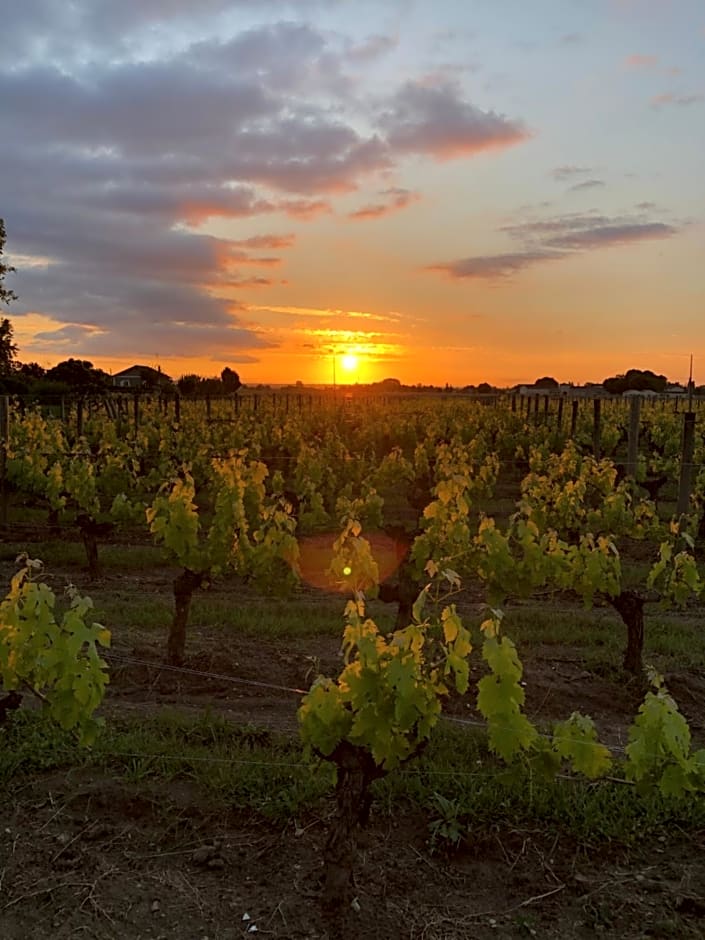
241	767
54	553
30	743
672	641
260	617
599	636
483	793
596	633
120	611
69	553
248	768
268	617
130	557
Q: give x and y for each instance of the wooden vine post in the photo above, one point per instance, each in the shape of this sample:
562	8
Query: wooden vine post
633	445
596	428
686	463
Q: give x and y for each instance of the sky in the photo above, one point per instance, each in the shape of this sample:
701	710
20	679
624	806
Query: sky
438	191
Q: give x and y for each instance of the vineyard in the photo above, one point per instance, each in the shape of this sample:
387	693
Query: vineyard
331	666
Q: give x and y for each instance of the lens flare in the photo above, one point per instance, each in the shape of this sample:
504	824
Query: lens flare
316	555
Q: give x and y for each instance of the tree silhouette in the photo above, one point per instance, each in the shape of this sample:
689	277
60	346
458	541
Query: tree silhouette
81	376
6	295
635	380
230	379
8	349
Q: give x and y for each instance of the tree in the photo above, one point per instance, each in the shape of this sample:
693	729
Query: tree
82	377
635	380
230	379
546	382
6	295
31	370
188	384
8	349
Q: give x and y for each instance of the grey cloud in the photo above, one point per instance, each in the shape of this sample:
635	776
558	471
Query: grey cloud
47	30
112	158
584	230
153	340
563	223
492	267
372	48
586	184
553	239
156	122
671	99
605	235
436	120
329	158
285	57
144	109
569	172
74	294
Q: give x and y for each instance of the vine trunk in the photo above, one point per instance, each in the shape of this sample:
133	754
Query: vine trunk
630	607
356	771
184	586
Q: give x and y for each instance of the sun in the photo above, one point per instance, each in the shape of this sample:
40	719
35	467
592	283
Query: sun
349	362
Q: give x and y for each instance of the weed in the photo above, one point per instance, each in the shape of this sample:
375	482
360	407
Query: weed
446	827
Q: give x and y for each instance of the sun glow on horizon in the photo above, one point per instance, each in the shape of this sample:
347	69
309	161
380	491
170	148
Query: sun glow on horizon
349	362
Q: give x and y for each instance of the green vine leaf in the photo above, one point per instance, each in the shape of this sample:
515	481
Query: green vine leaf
57	658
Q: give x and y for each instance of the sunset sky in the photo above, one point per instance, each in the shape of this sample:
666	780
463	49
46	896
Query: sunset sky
454	191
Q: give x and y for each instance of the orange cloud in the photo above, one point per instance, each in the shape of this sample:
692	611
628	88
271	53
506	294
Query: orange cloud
400	199
240	257
266	241
305	209
240	283
639	61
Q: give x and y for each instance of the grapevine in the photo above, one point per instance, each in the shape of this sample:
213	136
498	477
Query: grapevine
381	709
54	657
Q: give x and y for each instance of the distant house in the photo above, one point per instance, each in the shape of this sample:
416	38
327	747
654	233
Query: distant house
141	377
590	390
640	393
541	391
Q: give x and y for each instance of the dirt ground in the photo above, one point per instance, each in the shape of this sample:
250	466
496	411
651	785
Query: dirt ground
83	855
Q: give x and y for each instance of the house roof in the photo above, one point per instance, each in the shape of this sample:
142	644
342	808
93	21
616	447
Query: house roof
146	373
